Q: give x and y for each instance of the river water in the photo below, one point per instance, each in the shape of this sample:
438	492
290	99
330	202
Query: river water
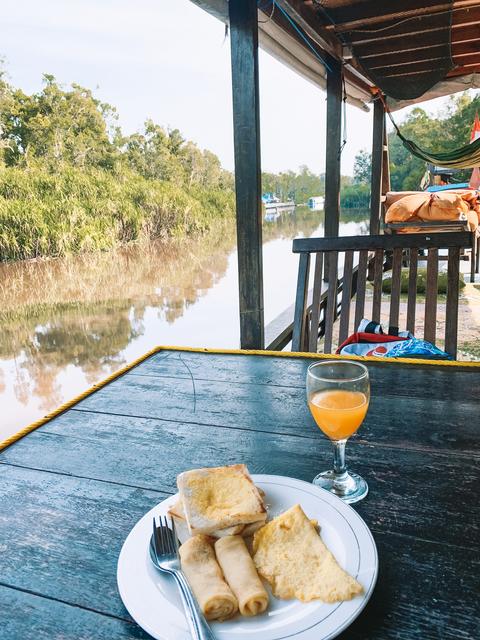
70	322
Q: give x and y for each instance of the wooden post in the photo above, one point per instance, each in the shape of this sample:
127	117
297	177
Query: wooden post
246	130
385	162
377	161
334	141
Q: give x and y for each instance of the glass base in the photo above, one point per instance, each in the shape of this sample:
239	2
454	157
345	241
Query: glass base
350	487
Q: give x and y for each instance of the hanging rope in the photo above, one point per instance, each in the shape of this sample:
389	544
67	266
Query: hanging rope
466	157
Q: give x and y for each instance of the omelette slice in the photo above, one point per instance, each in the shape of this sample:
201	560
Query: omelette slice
291	556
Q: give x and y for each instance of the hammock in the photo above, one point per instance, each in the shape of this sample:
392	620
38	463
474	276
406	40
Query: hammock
466	157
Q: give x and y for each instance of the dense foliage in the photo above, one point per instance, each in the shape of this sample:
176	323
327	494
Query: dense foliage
290	185
71	181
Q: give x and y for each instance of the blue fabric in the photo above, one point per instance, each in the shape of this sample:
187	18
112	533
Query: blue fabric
415	348
447	187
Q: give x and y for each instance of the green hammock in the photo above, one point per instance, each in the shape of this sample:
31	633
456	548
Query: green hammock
465	157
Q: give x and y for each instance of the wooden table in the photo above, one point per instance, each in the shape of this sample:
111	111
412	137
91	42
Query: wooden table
72	490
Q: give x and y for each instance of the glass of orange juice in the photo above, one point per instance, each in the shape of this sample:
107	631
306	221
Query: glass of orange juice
338	394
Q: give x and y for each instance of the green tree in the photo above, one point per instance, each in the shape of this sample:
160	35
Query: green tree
56	126
362	167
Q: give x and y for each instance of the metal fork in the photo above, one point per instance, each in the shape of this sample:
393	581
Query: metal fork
164	555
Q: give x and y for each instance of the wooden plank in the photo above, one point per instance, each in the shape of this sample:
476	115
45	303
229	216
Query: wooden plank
371	16
331	300
246	130
94	447
317	296
76	526
377	285
422	69
451	311
370	243
346	297
436	225
433	52
396	285
361	288
278	332
293	419
412	290
430	324
333	142
28	616
429	611
377	163
273	371
399	39
92	468
301	303
426	610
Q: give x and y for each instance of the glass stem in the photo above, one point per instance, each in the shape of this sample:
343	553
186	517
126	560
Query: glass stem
339	465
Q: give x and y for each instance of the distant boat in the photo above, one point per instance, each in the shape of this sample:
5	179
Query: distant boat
316	203
273	208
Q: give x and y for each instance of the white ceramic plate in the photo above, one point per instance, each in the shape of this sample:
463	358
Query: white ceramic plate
153	602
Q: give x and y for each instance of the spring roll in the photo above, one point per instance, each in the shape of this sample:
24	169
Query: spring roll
206	579
241	574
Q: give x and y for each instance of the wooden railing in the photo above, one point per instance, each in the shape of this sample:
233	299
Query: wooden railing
279	332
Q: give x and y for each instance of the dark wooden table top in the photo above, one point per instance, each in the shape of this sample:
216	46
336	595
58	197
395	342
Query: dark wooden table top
72	490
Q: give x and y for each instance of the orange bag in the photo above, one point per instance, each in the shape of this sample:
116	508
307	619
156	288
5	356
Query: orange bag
443	206
406	208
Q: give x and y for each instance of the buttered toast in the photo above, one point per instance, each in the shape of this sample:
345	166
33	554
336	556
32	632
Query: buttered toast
219	498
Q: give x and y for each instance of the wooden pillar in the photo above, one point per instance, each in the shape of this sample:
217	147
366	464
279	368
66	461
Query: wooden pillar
377	162
385	162
334	141
246	130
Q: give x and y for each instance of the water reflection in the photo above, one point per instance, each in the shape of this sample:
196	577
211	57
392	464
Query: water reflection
68	323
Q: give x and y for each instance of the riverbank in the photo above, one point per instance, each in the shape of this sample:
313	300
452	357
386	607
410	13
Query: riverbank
44	214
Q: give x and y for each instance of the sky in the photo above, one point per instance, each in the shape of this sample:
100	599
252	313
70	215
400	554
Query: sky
168	60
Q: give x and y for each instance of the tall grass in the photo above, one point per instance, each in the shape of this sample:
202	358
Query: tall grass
71	211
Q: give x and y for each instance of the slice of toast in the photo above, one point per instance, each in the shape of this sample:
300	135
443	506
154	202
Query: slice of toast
177	513
220	497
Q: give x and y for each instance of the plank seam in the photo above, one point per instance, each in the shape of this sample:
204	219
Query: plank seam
360	441
162	492
66	602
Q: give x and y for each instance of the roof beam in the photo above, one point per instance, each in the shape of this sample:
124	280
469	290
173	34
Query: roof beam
433	38
417	56
370	15
423	25
420	65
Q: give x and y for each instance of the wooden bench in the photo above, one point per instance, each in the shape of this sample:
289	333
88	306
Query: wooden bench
366	258
440	226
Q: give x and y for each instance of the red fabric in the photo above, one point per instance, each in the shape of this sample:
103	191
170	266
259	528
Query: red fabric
475	179
475	133
362	337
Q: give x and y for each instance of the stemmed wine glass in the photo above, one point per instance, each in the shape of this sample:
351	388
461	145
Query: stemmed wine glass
338	394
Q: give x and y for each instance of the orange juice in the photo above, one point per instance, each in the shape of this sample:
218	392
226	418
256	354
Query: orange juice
338	413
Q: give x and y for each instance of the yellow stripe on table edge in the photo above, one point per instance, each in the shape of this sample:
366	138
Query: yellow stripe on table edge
258	352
